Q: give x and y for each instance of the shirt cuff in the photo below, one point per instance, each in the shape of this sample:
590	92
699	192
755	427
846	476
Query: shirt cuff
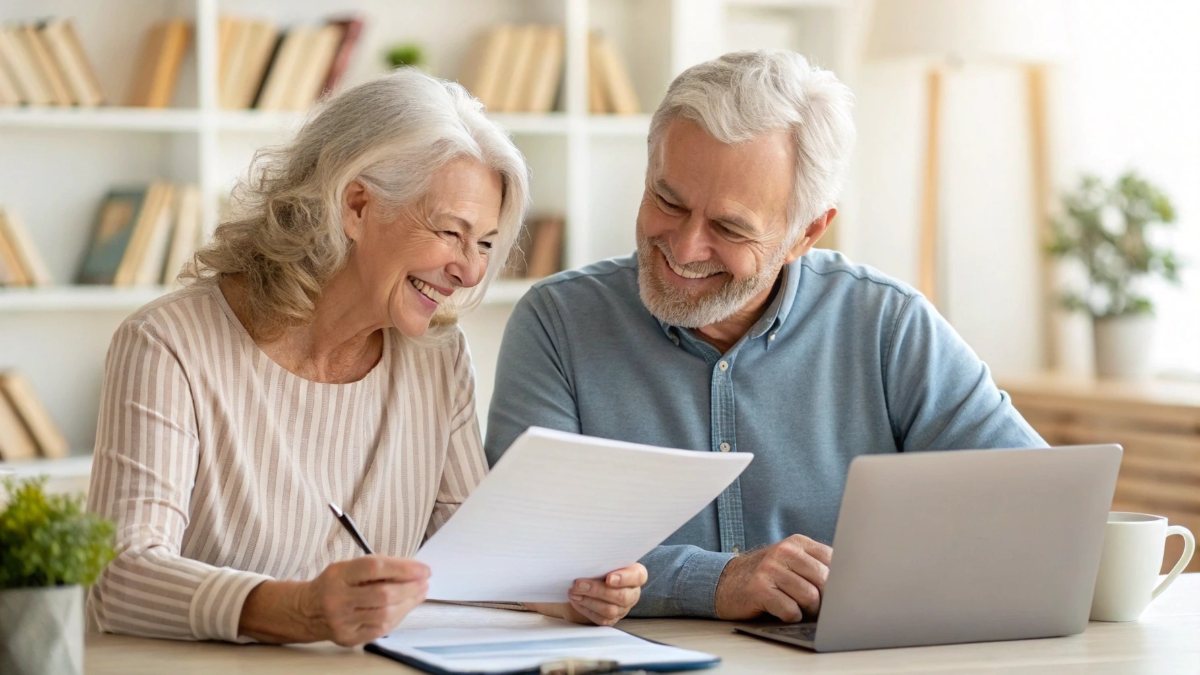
696	585
216	609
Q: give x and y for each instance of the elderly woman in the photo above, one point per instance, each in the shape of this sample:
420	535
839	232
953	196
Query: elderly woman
313	358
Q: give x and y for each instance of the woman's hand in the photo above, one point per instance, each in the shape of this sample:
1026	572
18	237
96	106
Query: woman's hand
600	601
351	602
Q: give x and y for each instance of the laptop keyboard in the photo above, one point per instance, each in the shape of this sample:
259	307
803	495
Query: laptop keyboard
801	631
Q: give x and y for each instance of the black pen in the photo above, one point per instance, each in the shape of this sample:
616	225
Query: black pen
348	523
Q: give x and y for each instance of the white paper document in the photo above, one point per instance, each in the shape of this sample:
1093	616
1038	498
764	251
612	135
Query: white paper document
560	506
451	638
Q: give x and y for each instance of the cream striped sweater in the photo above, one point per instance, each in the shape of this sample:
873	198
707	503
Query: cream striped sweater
217	464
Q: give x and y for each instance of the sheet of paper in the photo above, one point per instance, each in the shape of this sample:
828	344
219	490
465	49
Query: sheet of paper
455	638
561	506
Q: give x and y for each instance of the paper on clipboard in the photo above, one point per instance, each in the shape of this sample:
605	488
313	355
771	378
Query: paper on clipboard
453	639
561	506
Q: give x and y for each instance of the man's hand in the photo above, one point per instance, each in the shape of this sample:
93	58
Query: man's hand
785	580
600	601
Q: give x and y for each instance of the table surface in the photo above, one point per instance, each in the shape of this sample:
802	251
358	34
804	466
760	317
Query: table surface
1165	640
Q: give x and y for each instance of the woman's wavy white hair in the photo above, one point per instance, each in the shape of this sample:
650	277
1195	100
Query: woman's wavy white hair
392	134
741	95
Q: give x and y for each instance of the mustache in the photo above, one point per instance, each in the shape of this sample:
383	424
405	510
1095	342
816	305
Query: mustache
703	268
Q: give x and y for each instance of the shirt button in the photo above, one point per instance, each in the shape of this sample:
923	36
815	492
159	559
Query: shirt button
724	447
724	365
771	337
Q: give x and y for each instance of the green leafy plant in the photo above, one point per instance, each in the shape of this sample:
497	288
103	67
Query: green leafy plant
1107	229
50	540
406	54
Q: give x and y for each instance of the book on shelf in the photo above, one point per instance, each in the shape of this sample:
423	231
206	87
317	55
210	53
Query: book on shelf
8	88
19	63
185	236
598	103
263	37
115	221
39	425
546	247
144	259
15	440
515	68
277	84
313	68
20	253
143	235
12	273
607	67
545	78
229	38
482	73
64	45
45	65
352	27
244	55
539	249
156	71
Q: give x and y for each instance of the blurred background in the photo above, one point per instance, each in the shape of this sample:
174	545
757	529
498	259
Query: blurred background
1032	166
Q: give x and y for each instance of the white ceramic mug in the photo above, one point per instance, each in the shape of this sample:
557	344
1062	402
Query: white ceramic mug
1129	565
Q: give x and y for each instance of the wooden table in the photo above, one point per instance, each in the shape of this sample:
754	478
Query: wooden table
1165	640
1158	423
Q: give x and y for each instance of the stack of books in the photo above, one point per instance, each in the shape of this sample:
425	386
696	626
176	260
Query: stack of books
539	250
143	235
26	429
44	64
20	262
156	70
517	68
263	67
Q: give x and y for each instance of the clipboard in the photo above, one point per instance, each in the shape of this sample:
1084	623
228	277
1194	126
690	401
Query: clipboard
457	639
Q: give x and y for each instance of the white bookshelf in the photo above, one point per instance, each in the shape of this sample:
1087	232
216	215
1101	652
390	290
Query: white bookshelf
61	162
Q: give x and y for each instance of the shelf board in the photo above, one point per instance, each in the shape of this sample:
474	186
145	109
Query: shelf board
100	298
78	466
787	4
124	119
619	125
60	298
507	291
532	124
254	121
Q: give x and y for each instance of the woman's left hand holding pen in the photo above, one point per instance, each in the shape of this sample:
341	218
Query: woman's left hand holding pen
351	602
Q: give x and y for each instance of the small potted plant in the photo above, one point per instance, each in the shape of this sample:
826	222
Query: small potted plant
1108	230
50	548
405	54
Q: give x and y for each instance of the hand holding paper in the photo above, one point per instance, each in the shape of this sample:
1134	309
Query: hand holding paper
560	507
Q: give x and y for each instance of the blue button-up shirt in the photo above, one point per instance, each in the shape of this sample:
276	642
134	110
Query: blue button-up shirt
844	362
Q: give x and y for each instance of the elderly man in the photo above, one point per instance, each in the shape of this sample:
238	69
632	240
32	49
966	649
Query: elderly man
729	332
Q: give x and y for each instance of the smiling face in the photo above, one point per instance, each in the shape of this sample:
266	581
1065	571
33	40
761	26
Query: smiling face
409	262
712	228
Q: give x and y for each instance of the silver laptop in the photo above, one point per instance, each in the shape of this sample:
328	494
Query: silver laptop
963	546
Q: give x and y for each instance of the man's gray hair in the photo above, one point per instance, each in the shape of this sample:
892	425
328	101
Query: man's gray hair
392	134
741	95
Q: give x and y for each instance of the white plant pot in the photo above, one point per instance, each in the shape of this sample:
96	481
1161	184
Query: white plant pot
41	630
1123	346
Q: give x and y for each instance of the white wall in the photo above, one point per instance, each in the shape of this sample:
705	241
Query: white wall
1126	97
1131	99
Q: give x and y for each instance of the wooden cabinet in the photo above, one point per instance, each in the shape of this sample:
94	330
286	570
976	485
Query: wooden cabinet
1157	422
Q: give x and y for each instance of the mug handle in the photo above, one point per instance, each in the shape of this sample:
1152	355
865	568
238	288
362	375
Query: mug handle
1189	547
